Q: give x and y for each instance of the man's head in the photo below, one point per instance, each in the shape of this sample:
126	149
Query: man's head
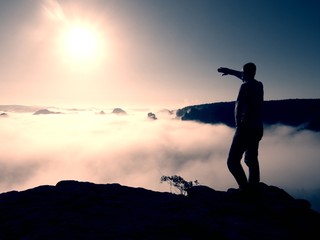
249	71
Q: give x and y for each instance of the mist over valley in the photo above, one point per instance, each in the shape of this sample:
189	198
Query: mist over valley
133	149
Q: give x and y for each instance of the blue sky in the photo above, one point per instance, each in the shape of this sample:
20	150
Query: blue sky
156	53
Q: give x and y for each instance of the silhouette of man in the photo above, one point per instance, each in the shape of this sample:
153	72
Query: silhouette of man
249	127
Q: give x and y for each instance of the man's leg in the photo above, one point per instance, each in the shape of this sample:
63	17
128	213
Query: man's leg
234	159
251	159
251	156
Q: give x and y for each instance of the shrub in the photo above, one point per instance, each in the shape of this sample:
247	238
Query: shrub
179	183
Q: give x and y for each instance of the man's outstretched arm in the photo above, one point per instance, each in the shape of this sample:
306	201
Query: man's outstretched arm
228	71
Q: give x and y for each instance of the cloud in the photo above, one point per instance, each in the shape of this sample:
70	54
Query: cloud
134	151
291	158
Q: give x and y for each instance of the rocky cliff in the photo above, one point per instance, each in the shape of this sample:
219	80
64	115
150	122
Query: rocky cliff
83	210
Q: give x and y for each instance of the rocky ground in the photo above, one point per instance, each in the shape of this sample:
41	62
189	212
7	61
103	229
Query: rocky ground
83	210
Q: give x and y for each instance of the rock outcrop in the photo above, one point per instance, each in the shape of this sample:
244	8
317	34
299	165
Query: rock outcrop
152	116
119	111
101	113
83	210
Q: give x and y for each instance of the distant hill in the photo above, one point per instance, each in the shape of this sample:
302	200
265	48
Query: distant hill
300	113
19	108
45	111
119	111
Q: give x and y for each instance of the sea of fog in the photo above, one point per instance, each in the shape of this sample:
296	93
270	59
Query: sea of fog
136	151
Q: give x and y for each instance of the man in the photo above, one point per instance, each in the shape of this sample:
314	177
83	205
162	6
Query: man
249	127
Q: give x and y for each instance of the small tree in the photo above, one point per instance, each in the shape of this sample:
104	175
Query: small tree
179	183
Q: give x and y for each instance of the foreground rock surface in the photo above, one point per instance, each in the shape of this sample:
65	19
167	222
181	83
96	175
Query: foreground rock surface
83	210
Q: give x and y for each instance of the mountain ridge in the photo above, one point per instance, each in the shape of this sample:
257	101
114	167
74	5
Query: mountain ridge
299	113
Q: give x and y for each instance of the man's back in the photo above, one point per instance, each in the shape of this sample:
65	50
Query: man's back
248	109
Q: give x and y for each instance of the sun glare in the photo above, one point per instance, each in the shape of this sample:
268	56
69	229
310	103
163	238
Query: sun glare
81	43
80	38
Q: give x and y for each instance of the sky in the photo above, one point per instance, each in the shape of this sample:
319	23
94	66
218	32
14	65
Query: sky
142	53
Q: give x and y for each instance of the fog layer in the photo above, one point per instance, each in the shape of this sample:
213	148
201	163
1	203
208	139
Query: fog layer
135	151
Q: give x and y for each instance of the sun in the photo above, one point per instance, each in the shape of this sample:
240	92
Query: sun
80	42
